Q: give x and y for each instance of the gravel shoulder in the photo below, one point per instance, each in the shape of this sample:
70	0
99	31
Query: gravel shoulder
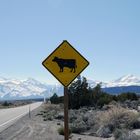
35	128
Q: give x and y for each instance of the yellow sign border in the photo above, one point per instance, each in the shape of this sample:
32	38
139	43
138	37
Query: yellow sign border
76	52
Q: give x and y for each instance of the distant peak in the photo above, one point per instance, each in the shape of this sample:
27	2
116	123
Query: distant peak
129	75
31	79
2	78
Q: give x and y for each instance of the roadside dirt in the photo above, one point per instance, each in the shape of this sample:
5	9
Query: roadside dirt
35	128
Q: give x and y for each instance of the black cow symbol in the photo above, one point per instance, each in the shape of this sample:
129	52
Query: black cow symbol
69	63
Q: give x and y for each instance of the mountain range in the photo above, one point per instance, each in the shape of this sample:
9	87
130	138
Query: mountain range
26	89
127	80
31	88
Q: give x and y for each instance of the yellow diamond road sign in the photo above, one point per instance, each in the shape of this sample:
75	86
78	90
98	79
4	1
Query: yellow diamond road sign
65	63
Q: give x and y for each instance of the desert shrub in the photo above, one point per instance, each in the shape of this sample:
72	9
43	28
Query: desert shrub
44	119
49	107
91	121
117	133
103	123
82	120
116	117
72	115
127	96
124	134
44	116
104	131
78	127
49	118
54	99
135	122
39	114
104	99
130	104
5	103
51	112
59	116
61	131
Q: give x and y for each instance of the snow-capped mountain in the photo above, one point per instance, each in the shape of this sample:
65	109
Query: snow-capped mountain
127	80
92	83
51	89
31	88
127	83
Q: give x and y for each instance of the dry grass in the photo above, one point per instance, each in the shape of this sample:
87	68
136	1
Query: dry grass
50	107
51	112
115	115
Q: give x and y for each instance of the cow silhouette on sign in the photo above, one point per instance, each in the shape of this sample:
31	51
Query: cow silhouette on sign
69	63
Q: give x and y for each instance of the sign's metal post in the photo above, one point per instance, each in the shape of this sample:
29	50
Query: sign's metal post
66	127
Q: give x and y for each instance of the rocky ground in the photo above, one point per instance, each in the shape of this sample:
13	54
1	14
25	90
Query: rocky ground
121	121
111	122
40	127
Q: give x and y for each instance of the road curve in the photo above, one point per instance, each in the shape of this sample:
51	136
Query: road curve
11	115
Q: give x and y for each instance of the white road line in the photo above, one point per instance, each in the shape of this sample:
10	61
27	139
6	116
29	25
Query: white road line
12	119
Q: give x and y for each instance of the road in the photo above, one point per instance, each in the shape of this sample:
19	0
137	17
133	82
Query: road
11	115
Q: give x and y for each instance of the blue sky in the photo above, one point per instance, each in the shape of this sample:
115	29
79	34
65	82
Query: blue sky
106	32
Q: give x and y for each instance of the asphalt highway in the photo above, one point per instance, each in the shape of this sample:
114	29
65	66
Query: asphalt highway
11	115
